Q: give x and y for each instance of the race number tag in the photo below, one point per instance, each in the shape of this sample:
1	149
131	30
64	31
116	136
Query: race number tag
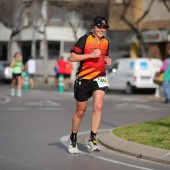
102	81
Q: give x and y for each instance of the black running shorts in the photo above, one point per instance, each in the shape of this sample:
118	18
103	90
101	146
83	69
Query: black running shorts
83	89
15	76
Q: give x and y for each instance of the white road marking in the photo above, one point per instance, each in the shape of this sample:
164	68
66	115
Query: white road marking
40	108
165	155
15	108
50	108
43	103
134	106
122	105
64	141
6	100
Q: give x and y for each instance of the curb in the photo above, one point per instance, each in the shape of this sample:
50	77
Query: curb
133	149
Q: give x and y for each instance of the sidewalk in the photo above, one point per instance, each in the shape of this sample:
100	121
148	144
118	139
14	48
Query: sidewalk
133	149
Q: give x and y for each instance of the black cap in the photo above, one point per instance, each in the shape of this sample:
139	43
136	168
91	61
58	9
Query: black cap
100	21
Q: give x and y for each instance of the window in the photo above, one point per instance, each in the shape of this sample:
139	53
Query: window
3	51
53	49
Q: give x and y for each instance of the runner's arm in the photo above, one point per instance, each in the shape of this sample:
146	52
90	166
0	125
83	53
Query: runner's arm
12	63
80	57
108	60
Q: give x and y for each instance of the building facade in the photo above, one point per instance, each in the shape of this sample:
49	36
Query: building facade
59	33
155	25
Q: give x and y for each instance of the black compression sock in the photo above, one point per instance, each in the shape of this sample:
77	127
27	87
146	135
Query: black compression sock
73	136
92	135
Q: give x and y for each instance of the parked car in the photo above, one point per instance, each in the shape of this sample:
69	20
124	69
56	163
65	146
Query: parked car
129	74
5	71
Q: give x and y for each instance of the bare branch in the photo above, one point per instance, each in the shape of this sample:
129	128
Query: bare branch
15	32
145	13
122	16
166	5
135	26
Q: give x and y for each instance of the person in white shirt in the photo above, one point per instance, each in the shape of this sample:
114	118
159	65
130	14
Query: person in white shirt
31	70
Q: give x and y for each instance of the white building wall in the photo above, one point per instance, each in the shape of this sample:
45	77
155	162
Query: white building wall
15	48
53	34
4	33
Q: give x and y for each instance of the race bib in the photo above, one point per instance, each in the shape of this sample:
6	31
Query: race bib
102	81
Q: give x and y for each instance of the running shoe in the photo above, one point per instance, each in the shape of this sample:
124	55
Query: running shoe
72	148
92	145
12	92
19	94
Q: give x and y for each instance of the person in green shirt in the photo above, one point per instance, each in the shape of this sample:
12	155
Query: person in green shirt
17	67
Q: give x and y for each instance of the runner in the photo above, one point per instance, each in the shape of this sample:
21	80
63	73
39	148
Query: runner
17	66
92	51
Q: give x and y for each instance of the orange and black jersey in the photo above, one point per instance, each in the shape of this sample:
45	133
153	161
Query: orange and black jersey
93	67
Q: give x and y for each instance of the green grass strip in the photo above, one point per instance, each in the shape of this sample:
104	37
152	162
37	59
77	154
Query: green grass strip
153	133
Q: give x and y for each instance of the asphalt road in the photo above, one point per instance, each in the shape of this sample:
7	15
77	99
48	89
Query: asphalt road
34	130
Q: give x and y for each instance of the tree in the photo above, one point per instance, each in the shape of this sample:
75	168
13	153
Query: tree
135	26
20	14
167	4
80	14
44	14
12	14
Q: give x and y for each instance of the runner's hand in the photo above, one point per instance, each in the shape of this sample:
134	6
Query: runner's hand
108	61
96	53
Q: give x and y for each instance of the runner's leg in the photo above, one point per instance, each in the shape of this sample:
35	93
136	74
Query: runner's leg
98	98
78	115
19	83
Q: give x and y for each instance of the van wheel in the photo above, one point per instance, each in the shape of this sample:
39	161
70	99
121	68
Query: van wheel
129	89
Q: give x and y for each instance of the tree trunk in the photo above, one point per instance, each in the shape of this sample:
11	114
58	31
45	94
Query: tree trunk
135	26
45	51
9	50
45	43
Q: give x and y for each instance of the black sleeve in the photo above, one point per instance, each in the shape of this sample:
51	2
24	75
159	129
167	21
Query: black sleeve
78	48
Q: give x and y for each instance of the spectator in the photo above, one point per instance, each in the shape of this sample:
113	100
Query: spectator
56	73
31	70
17	67
60	65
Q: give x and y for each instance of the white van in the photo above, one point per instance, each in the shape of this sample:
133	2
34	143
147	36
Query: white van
129	74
